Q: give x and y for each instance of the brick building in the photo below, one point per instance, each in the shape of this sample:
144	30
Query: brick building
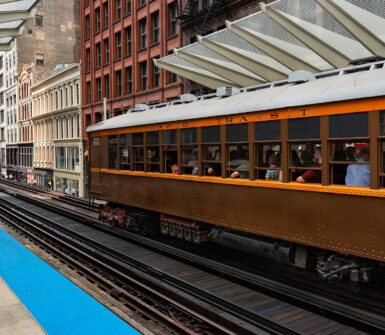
203	17
52	37
119	40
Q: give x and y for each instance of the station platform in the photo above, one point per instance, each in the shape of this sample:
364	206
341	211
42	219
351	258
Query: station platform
36	299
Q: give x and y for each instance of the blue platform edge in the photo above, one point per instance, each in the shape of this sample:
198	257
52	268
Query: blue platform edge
58	305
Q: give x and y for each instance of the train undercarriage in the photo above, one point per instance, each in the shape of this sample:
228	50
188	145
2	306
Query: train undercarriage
331	267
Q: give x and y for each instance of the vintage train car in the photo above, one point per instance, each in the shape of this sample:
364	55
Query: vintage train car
203	170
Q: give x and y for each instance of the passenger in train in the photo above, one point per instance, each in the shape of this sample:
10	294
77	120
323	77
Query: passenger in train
359	174
209	171
274	162
351	154
241	174
313	176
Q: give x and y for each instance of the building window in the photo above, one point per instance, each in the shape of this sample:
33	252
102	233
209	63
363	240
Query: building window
156	76
129	79
105	11
88	26
97	19
128	40
128	7
39	59
98	55
89	92
173	12
118	9
173	78
143	33
38	21
142	2
107	86
106	51
143	75
118	75
118	45
155	27
78	94
88	56
99	88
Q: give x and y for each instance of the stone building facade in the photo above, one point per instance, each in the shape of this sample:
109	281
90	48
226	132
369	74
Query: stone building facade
203	17
52	37
3	119
58	147
119	40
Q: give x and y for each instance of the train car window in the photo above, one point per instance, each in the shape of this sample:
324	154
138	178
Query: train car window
237	132
152	137
268	161
189	151
267	131
306	128
96	141
169	137
349	162
188	136
113	152
211	134
137	139
382	123
349	125
124	151
305	156
138	151
170	151
238	165
211	148
152	149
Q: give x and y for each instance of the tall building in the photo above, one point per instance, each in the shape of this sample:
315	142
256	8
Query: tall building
119	40
3	166
52	37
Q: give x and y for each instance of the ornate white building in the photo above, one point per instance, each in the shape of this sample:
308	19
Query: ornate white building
58	147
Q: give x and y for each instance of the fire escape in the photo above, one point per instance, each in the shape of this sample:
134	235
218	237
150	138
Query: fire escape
208	11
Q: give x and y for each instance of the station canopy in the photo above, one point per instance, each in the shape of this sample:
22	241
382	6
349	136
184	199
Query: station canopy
286	35
13	14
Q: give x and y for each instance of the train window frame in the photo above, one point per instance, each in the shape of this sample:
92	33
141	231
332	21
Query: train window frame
215	161
294	170
137	152
125	166
170	153
152	150
188	146
243	173
259	168
113	148
334	165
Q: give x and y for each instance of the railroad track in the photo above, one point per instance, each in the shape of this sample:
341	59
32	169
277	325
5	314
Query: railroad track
70	200
238	309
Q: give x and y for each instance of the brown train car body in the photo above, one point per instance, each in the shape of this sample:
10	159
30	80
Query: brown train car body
347	220
339	222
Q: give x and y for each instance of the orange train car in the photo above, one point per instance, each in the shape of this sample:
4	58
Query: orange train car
293	171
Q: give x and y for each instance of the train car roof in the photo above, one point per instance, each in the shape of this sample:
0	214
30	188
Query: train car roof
345	86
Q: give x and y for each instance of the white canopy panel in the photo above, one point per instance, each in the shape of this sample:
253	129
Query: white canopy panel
286	35
13	14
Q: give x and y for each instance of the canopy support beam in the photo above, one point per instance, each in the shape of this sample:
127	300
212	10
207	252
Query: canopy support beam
254	65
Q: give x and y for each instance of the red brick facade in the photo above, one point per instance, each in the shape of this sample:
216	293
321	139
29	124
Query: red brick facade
103	68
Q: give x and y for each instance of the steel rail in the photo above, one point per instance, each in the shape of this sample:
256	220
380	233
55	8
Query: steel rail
49	238
247	318
347	312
